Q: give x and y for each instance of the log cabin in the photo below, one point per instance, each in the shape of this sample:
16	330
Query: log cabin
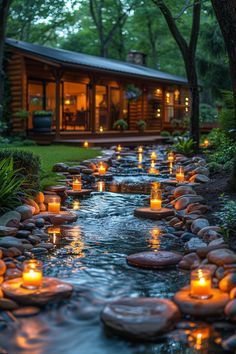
86	94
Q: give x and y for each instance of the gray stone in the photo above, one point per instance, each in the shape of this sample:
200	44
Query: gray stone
199	224
194	243
7	231
23	234
190	261
60	167
10	241
154	259
11	218
199	178
221	256
186	236
229	343
25	211
39	250
39	222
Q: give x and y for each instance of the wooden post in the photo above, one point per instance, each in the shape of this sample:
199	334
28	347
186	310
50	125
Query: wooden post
57	108
92	104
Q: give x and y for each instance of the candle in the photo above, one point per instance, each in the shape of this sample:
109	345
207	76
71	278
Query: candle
54	230
101	186
86	144
153	155
140	149
180	174
101	129
77	183
155	199
76	205
200	284
101	168
206	143
118	157
32	274
54	205
119	148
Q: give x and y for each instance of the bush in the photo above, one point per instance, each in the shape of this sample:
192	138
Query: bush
214	167
141	124
227	215
176	133
28	164
165	133
226	116
120	124
184	146
11	182
208	114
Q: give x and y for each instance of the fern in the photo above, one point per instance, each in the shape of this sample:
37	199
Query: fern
185	147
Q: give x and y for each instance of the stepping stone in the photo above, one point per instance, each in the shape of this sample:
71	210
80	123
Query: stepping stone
153	214
52	290
58	219
107	176
56	189
197	307
72	193
155	260
141	318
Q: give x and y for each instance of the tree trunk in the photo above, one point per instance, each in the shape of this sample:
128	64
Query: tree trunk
225	11
4	7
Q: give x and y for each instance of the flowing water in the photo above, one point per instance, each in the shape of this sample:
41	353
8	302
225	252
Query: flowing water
94	261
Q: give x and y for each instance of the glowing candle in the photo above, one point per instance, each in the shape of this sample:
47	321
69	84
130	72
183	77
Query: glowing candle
171	156
180	174
54	205
77	183
76	205
54	230
32	274
119	148
101	129
201	284
86	144
140	149
101	186
155	199
153	155
101	168
206	143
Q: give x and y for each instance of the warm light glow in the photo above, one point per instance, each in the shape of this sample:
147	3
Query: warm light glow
101	129
171	156
140	149
158	92
54	230
153	155
77	183
176	93
153	164
158	112
67	101
201	284
101	186
171	168
206	143
140	157
156	185
155	199
155	232
200	337
140	165
32	274
186	104
167	97
180	174
101	168
119	148
153	171
86	144
76	205
118	157
54	205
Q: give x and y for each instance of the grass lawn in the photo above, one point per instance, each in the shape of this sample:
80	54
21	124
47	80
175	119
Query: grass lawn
51	154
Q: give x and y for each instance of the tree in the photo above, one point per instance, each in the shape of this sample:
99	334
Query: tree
226	15
188	51
4	8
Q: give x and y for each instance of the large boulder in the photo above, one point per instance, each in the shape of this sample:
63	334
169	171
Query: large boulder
11	219
221	256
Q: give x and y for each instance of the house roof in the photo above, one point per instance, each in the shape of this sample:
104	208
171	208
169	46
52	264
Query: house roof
65	57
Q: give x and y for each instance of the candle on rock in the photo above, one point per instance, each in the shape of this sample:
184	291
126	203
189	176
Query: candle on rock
171	156
32	274
155	199
206	143
54	205
86	144
119	148
101	168
153	155
180	174
77	183
200	286
101	129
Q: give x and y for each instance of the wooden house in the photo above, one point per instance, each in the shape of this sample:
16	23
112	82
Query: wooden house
87	94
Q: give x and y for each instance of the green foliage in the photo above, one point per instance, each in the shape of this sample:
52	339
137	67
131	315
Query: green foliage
165	133
184	146
208	114
141	124
227	215
11	182
28	164
22	114
226	116
43	113
176	133
120	124
214	167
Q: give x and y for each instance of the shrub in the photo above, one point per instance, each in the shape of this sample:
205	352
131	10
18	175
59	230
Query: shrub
141	124
120	124
227	215
184	146
226	116
214	167
28	164
176	133
11	182
43	113
165	133
208	114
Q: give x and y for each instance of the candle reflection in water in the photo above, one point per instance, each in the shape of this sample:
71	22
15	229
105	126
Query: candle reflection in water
76	205
119	148
199	339
76	246
140	149
86	144
153	155
101	168
101	186
140	158
155	241
171	168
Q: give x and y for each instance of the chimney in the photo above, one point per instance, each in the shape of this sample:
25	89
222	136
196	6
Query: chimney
136	57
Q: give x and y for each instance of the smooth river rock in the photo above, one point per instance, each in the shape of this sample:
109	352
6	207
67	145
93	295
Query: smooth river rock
154	260
221	256
183	190
189	261
25	211
11	218
7	231
141	318
230	310
199	224
228	282
185	200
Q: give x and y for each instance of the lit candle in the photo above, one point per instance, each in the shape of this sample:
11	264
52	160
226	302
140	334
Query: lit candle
32	274
118	157
86	144
119	148
54	230
155	199
101	168
77	183
171	156
200	284
140	149
180	174
206	143
101	129
153	155
54	205
101	186
76	205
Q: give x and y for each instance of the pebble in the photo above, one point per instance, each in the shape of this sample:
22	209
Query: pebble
194	243
199	224
7	304
39	250
25	211
190	261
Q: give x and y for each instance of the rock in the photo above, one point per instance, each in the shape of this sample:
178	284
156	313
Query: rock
199	178
194	207
7	231
47	245
56	189
154	260
233	294
39	222
200	170
87	171
216	242
10	219
230	310
228	282
60	167
141	318
12	273
7	304
10	241
183	190
39	250
153	214
23	234
229	343
205	230
29	226
74	170
194	243
185	200
190	261
221	256
220	272
202	252
26	311
2	267
25	211
34	239
211	267
15	251
186	236
199	224
33	204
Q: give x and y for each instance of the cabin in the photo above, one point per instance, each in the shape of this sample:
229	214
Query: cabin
85	95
